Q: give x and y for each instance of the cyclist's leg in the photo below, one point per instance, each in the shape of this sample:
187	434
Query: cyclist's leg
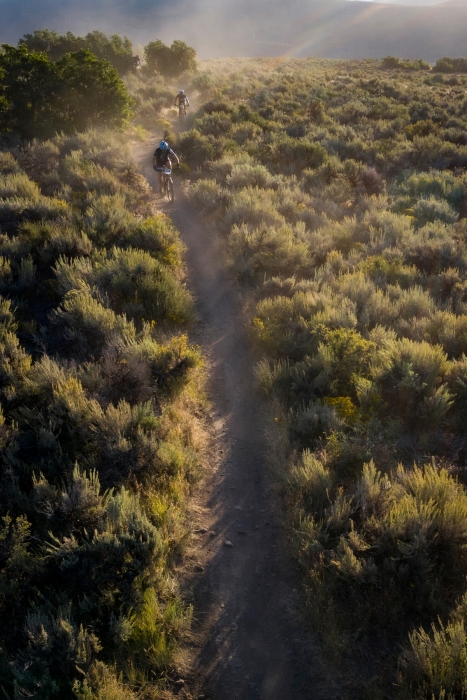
160	181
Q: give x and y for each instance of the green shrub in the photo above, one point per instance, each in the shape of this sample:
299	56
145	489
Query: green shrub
18	185
158	237
96	428
433	209
101	683
437	184
242	176
412	374
8	164
435	663
218	124
46	241
170	60
37	108
208	195
152	637
114	49
195	148
344	210
291	155
136	284
390	62
253	206
108	220
56	647
88	323
310	483
314	420
267	250
15	210
450	65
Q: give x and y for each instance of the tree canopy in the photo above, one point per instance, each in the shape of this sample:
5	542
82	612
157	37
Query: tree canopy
117	50
170	61
39	97
394	63
450	65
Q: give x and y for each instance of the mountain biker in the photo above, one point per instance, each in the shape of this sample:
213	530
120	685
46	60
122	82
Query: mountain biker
136	62
182	101
161	160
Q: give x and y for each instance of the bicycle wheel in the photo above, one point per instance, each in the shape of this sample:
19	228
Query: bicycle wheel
170	190
181	117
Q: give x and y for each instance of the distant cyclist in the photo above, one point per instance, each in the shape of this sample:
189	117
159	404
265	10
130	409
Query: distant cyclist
182	101
136	62
161	160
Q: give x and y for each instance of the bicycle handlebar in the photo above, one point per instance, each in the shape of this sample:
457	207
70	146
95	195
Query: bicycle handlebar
156	168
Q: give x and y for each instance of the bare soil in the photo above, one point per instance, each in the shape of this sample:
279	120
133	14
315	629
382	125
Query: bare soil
247	642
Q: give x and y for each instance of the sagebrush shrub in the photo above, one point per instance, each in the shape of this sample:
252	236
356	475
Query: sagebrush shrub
135	283
433	209
253	206
88	323
344	209
88	421
267	250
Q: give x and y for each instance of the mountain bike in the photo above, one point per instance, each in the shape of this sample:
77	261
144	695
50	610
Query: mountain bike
167	185
181	113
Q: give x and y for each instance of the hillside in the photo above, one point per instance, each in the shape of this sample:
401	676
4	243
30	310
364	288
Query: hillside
325	28
98	454
340	190
166	509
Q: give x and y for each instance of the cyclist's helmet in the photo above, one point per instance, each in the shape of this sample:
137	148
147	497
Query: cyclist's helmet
163	145
181	92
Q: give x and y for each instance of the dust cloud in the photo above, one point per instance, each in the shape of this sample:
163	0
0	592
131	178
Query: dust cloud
324	28
200	23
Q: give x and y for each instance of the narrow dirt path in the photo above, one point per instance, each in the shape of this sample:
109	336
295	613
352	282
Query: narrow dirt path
245	643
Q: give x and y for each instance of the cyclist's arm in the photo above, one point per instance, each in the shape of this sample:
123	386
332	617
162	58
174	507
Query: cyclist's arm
176	157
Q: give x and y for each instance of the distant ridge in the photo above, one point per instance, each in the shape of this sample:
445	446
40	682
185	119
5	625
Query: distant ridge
455	3
326	28
412	3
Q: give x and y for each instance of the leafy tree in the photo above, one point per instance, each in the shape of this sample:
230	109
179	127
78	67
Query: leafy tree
183	57
157	56
92	92
29	90
170	61
40	97
114	49
450	65
391	62
51	43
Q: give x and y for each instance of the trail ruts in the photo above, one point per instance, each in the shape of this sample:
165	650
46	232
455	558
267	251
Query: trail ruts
246	644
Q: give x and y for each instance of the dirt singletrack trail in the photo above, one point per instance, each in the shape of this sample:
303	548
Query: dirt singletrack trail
245	643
